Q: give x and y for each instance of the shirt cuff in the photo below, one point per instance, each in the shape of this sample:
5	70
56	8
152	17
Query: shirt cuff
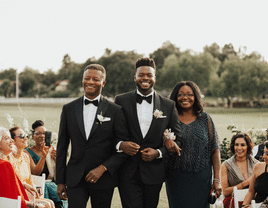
118	146
160	154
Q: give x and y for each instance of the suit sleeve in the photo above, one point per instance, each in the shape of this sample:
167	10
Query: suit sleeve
174	125
120	134
62	149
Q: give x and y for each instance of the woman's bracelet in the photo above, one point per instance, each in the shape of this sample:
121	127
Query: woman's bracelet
217	180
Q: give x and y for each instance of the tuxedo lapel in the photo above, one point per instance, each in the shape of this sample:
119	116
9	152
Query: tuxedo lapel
79	116
134	114
154	124
102	108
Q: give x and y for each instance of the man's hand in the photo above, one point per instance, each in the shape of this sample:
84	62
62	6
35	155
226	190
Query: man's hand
94	175
130	148
172	146
148	154
61	191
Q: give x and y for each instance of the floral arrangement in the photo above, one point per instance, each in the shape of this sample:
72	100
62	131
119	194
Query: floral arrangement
257	135
158	114
102	119
168	135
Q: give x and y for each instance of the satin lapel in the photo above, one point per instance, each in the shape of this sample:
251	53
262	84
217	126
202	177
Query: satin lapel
102	108
79	116
134	114
154	124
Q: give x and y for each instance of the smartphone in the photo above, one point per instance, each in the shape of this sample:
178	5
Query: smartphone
48	138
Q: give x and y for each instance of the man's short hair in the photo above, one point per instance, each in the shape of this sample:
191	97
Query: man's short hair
145	62
97	67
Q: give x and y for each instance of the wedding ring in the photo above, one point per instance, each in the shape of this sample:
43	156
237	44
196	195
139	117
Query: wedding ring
92	180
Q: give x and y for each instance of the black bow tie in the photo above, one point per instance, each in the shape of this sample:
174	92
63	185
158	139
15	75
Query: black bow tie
140	98
94	102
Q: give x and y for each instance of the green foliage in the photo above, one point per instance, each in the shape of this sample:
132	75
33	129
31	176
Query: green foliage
6	88
8	74
225	150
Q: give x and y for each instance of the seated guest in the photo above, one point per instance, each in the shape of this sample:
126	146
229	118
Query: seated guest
258	188
237	171
38	154
11	186
259	155
21	163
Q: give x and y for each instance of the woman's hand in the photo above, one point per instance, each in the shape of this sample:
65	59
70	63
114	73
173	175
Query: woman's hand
45	149
31	189
53	154
172	146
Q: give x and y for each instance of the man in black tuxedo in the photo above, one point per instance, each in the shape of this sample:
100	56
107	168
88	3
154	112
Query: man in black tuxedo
94	126
148	115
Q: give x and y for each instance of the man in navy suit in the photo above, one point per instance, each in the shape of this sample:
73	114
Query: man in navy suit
148	115
94	126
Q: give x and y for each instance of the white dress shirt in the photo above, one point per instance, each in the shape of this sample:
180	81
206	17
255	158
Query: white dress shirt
89	114
145	113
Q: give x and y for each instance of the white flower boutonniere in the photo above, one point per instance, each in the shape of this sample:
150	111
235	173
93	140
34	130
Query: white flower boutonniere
158	114
102	118
168	135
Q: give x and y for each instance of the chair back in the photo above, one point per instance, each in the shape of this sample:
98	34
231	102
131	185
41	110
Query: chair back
219	202
39	182
10	203
239	195
254	204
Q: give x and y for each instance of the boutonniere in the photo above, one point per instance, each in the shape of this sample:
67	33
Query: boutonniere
158	114
102	118
168	135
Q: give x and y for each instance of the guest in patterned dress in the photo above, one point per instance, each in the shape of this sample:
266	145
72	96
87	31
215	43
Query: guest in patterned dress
237	171
21	163
258	188
189	176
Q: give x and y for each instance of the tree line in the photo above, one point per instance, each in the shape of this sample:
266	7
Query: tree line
219	72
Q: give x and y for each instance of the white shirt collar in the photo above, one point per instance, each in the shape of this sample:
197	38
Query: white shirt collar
139	93
96	98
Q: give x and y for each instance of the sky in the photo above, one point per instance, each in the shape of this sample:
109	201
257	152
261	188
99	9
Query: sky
38	34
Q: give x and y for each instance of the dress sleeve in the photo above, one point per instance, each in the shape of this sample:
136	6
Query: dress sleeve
213	135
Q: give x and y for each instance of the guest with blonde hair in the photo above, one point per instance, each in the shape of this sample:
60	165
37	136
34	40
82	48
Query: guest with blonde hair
11	186
21	163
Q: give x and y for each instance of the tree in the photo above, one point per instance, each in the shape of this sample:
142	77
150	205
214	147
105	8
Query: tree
160	54
8	74
6	87
28	79
48	78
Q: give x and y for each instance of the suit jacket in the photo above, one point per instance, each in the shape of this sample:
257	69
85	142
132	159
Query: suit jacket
98	149
151	172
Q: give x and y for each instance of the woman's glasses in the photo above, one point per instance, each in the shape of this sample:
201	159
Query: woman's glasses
22	136
38	133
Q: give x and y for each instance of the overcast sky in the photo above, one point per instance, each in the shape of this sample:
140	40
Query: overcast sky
39	33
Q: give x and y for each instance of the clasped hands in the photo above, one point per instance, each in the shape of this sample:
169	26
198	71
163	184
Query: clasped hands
131	148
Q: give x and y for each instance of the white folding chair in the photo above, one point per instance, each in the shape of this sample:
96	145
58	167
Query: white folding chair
10	203
239	195
39	182
254	204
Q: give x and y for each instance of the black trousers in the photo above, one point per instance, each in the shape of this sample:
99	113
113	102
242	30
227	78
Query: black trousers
135	194
78	196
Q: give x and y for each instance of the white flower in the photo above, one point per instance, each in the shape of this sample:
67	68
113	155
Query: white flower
169	135
158	114
10	120
102	118
25	125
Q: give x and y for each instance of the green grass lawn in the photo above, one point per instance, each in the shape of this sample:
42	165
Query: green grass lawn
243	118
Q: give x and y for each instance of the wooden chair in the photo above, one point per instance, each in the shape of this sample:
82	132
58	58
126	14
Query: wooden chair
10	203
239	195
39	182
254	204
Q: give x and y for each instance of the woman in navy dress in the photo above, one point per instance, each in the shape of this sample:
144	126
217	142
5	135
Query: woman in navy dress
189	176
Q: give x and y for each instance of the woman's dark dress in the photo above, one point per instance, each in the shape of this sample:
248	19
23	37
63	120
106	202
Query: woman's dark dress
261	186
189	176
